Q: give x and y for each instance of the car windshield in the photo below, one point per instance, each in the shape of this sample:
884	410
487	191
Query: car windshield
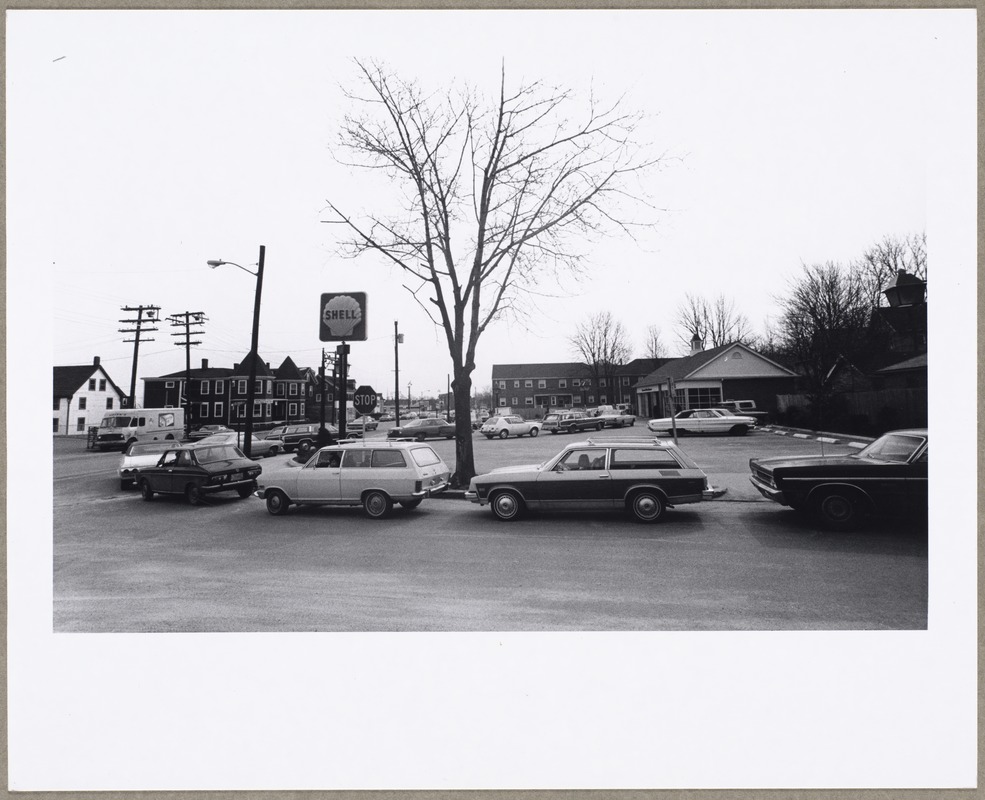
209	455
116	422
417	423
553	417
892	447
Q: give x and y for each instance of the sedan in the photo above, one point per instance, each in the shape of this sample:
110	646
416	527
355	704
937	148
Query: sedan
640	477
258	446
199	469
504	427
421	429
889	477
141	454
361	425
704	420
207	430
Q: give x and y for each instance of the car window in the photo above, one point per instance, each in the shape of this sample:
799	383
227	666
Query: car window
328	458
355	459
584	459
184	458
424	456
638	458
170	459
389	458
218	452
893	447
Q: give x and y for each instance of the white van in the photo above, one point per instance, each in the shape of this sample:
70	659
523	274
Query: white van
119	428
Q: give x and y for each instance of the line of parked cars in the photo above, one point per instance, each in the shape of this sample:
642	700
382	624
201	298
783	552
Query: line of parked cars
643	477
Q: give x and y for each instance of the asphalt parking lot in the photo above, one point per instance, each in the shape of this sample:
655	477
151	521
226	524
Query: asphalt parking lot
737	563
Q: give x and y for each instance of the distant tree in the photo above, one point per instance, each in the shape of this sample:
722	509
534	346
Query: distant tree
825	319
653	347
496	194
880	263
714	323
601	342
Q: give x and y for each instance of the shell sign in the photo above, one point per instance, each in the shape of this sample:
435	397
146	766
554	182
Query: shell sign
343	317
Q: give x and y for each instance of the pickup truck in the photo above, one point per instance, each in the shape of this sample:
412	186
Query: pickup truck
745	408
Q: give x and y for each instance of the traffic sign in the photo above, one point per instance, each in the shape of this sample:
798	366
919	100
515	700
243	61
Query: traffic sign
364	399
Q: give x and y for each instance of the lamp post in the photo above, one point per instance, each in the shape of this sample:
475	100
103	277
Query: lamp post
254	355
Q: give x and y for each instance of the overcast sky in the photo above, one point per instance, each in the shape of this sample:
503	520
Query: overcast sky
149	142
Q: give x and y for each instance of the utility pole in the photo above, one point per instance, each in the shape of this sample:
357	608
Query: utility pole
325	358
398	339
190	321
146	315
343	356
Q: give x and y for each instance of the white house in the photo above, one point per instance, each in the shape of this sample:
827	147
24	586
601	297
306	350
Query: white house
81	396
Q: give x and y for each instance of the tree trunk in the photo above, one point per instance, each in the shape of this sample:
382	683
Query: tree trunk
464	458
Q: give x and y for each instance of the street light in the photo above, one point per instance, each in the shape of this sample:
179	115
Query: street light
254	355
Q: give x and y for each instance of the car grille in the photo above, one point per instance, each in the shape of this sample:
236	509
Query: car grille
763	476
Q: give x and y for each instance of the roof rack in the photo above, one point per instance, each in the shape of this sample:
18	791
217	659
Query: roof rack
655	440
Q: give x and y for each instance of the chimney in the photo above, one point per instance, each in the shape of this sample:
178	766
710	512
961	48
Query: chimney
205	363
696	345
95	361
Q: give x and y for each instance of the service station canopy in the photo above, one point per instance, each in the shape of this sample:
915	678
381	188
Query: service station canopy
342	317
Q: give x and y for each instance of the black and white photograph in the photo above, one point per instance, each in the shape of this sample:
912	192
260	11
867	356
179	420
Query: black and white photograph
492	399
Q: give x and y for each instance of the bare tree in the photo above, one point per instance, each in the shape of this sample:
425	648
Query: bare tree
602	344
653	346
880	263
498	195
825	319
714	323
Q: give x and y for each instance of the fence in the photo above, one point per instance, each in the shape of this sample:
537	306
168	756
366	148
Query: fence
858	412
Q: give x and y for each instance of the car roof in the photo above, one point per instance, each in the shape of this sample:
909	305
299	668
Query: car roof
910	432
647	442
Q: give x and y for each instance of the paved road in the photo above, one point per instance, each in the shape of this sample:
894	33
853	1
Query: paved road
740	563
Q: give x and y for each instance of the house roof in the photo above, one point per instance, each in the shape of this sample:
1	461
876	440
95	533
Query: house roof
683	368
288	370
196	374
66	381
641	366
565	369
915	363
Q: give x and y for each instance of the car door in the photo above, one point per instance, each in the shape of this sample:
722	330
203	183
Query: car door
356	474
319	481
162	477
917	481
580	480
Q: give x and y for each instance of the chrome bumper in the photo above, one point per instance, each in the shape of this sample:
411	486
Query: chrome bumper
768	492
713	492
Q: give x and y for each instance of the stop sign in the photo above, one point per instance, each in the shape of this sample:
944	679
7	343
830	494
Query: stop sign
364	399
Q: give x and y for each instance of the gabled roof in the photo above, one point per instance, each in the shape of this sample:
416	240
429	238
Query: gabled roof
288	370
66	381
641	366
502	372
915	363
243	368
196	374
683	368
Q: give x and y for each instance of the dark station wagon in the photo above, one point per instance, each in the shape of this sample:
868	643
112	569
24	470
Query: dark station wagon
200	469
571	422
889	478
643	477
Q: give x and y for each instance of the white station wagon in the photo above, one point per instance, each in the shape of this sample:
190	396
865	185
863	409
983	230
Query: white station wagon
374	476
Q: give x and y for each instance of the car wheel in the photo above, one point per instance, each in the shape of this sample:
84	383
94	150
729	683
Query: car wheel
506	505
646	506
145	491
129	442
277	502
246	491
193	494
738	430
838	510
377	504
600	426
554	432
411	503
534	431
504	434
420	437
273	451
488	436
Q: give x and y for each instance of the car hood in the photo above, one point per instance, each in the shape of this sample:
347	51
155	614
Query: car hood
229	464
500	471
797	462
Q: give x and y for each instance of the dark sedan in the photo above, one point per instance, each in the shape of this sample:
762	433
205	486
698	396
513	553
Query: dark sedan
421	429
889	478
200	469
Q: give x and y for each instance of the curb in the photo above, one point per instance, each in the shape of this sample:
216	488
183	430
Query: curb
857	442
